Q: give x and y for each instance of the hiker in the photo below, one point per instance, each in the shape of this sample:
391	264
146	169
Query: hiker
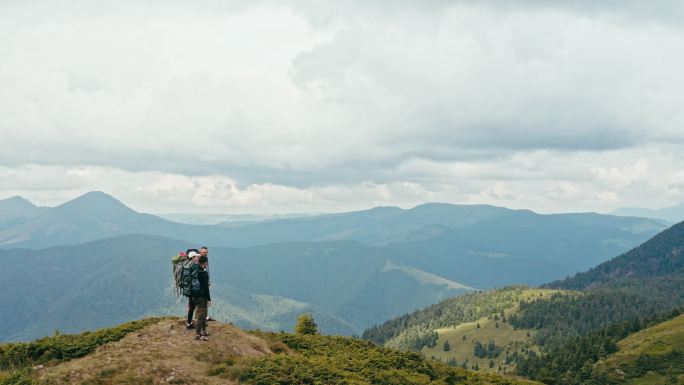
194	256
202	299
204	252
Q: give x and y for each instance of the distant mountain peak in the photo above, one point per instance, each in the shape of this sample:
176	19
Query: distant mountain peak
16	201
94	200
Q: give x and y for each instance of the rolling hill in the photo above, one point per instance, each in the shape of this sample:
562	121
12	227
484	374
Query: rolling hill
417	330
346	285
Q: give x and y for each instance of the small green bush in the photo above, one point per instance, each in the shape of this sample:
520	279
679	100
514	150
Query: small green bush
330	360
306	325
15	378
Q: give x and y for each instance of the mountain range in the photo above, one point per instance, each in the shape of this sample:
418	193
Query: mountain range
346	285
355	270
672	214
351	270
456	241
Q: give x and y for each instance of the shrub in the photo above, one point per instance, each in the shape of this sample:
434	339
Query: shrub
306	325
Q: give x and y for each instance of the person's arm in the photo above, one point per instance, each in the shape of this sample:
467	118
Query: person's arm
208	294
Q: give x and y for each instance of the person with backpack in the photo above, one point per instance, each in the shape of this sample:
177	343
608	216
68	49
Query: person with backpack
204	252
190	278
202	299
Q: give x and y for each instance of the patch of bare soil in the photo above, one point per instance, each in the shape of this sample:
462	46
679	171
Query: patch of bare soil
164	353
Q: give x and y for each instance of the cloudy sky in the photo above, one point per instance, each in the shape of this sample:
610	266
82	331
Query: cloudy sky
312	106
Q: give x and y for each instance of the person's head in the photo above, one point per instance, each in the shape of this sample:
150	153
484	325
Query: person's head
194	256
204	251
203	260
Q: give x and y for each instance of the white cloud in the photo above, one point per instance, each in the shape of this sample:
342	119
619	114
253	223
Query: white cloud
281	107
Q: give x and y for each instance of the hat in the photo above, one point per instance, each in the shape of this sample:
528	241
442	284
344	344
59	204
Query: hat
192	254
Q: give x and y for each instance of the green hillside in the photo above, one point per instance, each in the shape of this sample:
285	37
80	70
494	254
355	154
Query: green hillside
622	296
162	351
652	356
420	329
477	344
556	337
562	317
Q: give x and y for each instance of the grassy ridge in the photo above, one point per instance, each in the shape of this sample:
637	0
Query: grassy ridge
655	353
16	358
564	317
511	341
152	355
64	346
340	360
416	330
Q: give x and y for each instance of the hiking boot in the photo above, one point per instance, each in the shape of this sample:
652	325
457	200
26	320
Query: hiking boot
200	337
204	333
189	325
210	319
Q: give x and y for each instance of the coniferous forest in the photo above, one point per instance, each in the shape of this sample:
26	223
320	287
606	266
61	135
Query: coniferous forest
574	331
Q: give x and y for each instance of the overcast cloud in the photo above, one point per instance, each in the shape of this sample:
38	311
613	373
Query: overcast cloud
307	106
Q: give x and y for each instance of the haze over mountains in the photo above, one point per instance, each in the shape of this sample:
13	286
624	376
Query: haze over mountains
662	255
672	214
346	285
352	270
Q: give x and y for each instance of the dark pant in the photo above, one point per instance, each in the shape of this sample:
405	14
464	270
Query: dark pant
201	307
191	309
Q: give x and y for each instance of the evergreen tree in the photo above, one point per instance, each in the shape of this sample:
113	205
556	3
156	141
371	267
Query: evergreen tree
446	347
479	350
306	325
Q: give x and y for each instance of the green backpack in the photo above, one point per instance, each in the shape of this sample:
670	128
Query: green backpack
178	261
190	279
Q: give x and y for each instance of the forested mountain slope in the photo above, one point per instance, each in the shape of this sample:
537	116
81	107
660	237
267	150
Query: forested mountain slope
346	285
654	355
648	282
417	329
645	281
641	351
661	255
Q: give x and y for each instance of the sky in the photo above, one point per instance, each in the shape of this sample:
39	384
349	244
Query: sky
269	107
